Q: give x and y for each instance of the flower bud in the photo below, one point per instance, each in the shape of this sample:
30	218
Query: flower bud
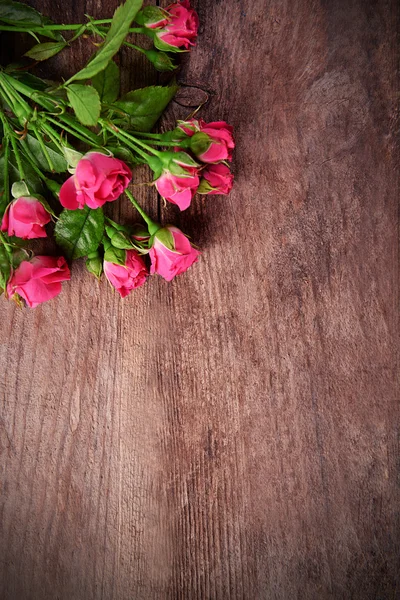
171	253
25	217
161	61
126	271
216	179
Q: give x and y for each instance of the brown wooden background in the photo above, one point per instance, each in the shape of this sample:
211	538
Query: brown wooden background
234	434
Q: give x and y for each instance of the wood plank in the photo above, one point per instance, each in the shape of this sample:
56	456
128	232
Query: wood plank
234	434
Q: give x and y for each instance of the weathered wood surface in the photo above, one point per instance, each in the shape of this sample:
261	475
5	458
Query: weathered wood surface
234	434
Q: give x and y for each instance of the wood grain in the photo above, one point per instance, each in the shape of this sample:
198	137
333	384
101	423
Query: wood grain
234	434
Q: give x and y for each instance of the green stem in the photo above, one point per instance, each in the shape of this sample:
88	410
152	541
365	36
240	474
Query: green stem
52	135
10	135
6	173
47	102
38	97
20	108
80	32
17	157
152	226
43	147
39	28
124	138
69	129
28	155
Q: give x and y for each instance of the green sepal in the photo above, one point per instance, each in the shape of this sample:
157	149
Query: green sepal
18	256
200	143
150	15
117	256
94	264
155	165
164	235
118	238
5	267
166	47
183	159
72	156
204	187
19	189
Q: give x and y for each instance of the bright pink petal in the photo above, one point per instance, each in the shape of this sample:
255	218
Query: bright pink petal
68	194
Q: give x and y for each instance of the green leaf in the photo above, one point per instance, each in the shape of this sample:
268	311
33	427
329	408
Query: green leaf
58	160
119	28
16	13
146	105
85	101
79	232
107	83
45	50
28	79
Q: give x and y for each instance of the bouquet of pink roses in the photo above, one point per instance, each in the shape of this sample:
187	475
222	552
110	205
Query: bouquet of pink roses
84	128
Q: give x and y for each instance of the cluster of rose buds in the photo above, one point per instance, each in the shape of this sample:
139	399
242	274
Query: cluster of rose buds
182	176
192	158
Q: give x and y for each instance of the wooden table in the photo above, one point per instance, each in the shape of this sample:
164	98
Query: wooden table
234	434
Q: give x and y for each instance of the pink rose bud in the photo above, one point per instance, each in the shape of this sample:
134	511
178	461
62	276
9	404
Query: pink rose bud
39	279
180	31
171	253
25	217
217	179
98	179
179	179
210	142
214	142
127	276
178	189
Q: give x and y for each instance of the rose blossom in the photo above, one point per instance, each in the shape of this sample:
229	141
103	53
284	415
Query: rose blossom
217	179
98	179
210	142
125	278
178	189
25	217
171	253
39	279
181	29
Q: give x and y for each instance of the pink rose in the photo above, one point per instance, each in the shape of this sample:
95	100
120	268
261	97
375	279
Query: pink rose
181	29
217	179
25	217
125	278
210	142
178	189
39	279
98	179
171	253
